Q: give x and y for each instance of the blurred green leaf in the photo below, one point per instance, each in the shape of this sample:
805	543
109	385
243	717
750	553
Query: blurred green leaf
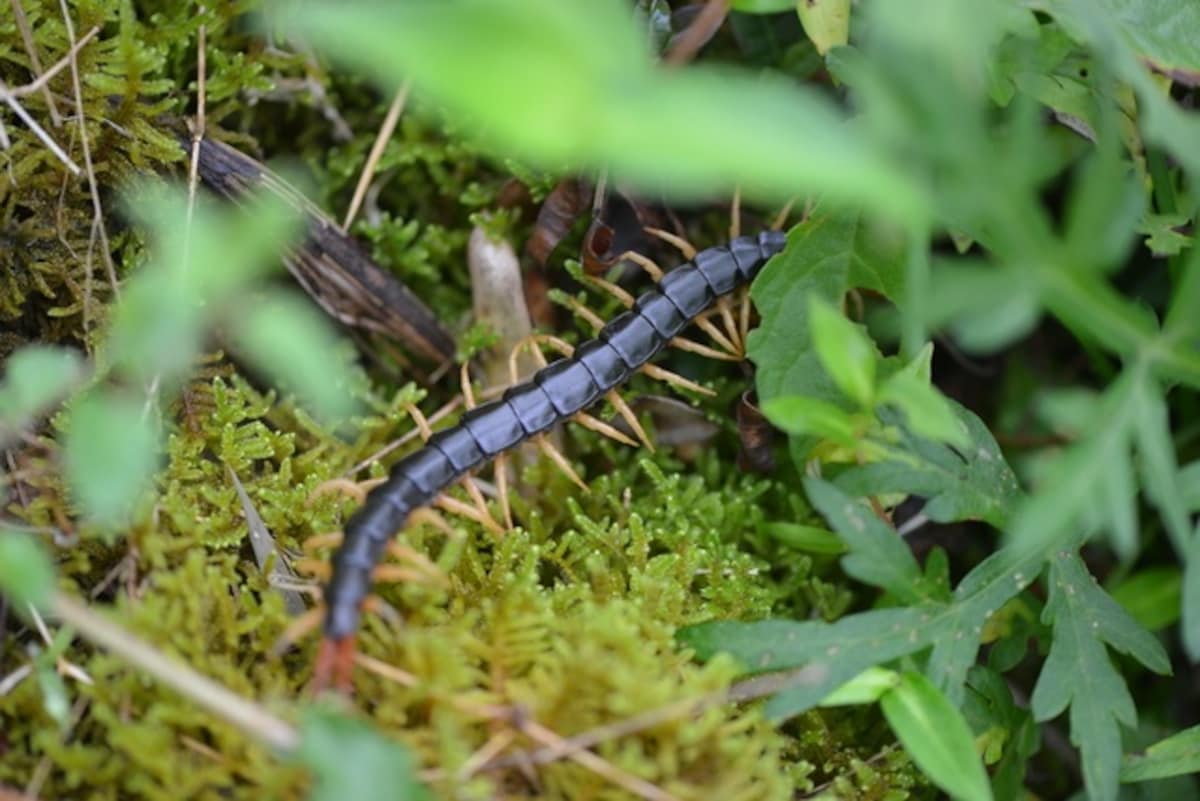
285	337
1078	672
1191	599
1164	233
1152	596
814	418
935	735
865	688
1160	31
26	574
348	756
926	410
809	539
845	351
200	262
971	483
55	700
827	22
1174	756
560	84
34	377
878	556
110	454
762	6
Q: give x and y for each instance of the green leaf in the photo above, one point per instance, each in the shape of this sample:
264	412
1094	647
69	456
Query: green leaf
26	574
762	6
344	753
926	410
1191	599
813	418
34	377
827	22
865	688
201	261
285	337
110	454
1164	236
1174	756
878	556
834	653
936	736
974	483
1152	596
555	83
846	352
809	539
828	254
1079	673
1160	31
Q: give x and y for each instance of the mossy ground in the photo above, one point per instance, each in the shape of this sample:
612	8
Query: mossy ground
569	618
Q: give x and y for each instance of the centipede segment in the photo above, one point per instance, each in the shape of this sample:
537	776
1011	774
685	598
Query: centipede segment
557	392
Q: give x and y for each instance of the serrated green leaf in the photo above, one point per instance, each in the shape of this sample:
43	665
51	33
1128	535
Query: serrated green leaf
1079	673
827	22
1174	756
973	484
935	735
288	339
1164	236
34	377
110	453
878	556
812	418
846	352
553	83
828	254
836	652
345	753
26	574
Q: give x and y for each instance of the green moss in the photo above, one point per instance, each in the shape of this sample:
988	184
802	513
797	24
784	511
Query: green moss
569	619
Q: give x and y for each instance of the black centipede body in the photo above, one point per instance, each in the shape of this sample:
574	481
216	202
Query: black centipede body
554	394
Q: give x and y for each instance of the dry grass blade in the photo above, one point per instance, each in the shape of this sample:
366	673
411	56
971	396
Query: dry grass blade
381	139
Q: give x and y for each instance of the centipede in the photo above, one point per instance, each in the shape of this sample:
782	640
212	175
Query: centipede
554	394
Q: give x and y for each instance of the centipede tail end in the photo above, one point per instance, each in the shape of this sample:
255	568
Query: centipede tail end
334	665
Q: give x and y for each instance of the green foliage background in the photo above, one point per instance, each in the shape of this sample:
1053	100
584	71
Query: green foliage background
1014	182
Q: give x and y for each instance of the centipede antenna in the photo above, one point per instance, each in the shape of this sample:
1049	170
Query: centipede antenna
561	461
682	245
